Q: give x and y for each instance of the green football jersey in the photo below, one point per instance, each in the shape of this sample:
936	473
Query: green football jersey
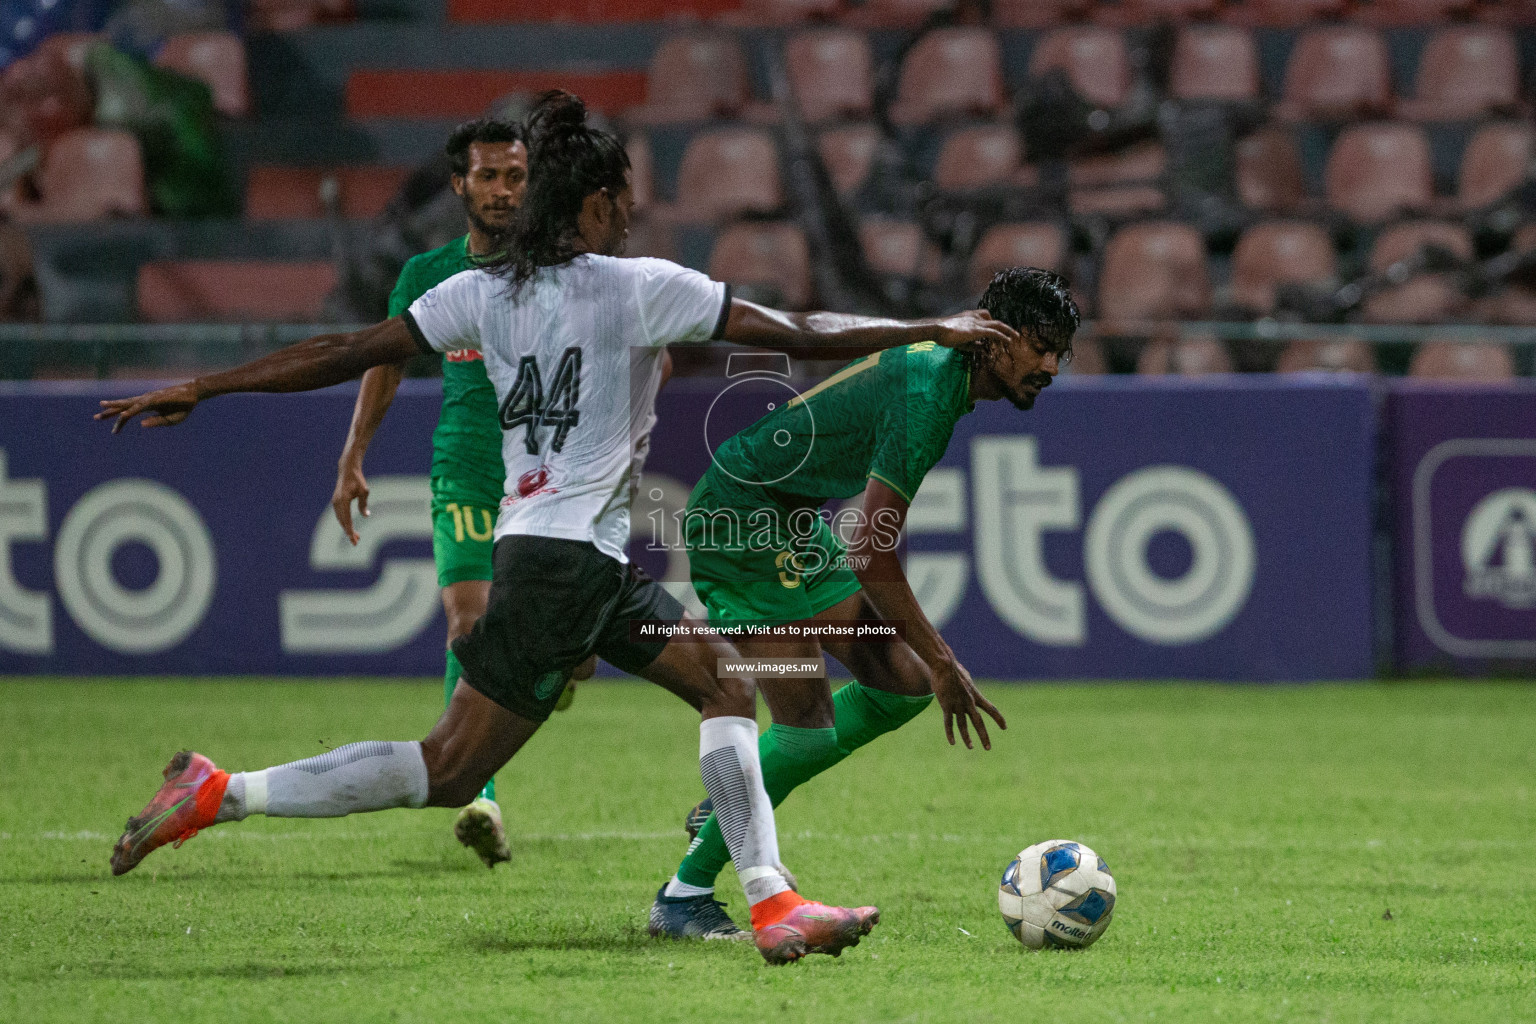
466	446
887	416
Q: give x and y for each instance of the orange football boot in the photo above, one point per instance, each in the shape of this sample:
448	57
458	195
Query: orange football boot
188	801
813	928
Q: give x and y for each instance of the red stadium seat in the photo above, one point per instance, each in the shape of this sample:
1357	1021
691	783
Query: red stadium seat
951	71
215	58
367	190
1413	12
1496	161
1337	72
975	157
1038	13
1087	356
849	154
1377	171
642	173
898	249
1094	59
196	291
1336	355
1284	13
72	46
1154	270
831	73
42	97
1269	175
1275	253
1444	359
284	193
1181	356
650	237
88	174
1464	72
772	256
785	12
1040	245
1119	185
1214	62
1424	298
727	172
696	77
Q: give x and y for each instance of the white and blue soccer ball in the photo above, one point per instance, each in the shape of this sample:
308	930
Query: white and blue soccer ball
1057	894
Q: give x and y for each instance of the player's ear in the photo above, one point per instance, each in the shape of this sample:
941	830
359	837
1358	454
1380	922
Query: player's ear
457	181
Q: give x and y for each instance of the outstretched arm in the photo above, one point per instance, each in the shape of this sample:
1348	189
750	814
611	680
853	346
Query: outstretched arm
317	363
751	324
886	586
373	399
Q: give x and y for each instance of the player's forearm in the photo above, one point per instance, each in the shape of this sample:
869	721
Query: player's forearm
837	330
318	362
886	586
373	399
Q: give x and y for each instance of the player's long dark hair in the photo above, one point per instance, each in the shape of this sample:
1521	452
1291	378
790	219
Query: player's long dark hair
1034	301
567	161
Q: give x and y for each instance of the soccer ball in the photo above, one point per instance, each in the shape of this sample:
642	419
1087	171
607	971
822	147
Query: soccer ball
1058	894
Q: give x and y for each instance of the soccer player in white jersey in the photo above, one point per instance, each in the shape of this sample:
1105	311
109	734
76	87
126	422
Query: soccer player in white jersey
572	338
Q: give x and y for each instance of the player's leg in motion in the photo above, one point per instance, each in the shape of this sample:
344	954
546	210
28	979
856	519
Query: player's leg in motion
814	729
479	825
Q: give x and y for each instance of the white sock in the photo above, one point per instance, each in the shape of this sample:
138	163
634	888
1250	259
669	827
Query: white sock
369	776
678	887
734	780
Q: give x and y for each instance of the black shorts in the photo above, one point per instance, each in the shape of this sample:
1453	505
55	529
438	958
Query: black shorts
553	603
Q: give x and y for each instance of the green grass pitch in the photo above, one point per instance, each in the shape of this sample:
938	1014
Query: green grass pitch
1327	853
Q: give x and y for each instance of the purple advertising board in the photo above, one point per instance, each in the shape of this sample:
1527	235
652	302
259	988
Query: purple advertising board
1125	528
1461	462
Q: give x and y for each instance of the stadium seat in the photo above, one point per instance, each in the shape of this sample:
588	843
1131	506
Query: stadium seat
831	73
1275	253
649	236
366	190
1376	171
976	157
1146	12
292	15
88	174
772	257
42	97
642	170
895	13
1424	298
1119	185
1336	73
1038	14
1154	270
1496	160
895	248
214	58
1214	62
1087	355
1192	356
784	12
949	72
1337	355
1269	175
696	77
1464	72
283	193
1445	359
211	290
1413	12
1042	245
1283	13
1094	58
727	172
848	153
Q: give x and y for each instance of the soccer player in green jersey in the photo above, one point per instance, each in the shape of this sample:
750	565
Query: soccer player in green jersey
760	552
489	160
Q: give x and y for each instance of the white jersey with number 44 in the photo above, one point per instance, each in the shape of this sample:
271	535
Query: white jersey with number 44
574	356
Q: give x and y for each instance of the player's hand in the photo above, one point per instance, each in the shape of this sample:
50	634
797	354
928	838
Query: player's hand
170	406
350	484
964	330
961	702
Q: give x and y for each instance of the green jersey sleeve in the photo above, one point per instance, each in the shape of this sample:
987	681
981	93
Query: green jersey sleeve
915	433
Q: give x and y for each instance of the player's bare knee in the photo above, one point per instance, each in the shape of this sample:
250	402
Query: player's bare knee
732	695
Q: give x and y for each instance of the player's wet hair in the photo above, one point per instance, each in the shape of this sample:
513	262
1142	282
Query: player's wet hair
485	129
1034	302
568	160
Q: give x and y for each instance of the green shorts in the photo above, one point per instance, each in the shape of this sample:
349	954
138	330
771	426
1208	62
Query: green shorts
463	525
757	563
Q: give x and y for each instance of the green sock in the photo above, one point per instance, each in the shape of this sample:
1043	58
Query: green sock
791	756
450	680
